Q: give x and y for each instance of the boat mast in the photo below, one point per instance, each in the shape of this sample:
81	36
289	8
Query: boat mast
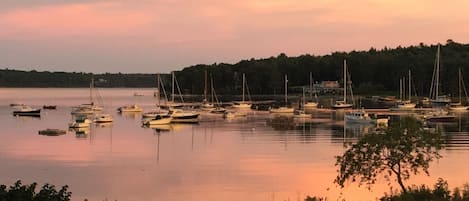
205	89
91	89
212	90
172	85
437	71
302	105
400	89
345	81
286	86
459	85
311	85
244	82
409	86
158	90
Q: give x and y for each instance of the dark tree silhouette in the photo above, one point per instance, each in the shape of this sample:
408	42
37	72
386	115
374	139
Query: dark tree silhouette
400	151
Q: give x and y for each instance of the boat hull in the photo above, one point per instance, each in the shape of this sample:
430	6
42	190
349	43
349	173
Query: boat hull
34	113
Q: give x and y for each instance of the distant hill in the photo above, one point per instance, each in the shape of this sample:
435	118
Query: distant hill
371	71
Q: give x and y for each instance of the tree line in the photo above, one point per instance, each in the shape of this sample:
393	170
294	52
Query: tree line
371	71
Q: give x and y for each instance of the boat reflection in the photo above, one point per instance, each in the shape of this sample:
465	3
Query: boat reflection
27	118
282	122
104	124
130	115
81	132
159	128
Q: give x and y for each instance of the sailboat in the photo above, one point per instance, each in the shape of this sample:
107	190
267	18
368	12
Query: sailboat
177	114
87	108
407	104
157	117
459	106
211	106
301	113
435	98
308	104
243	104
206	105
284	109
343	103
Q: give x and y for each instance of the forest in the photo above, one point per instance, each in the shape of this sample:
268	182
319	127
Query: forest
372	72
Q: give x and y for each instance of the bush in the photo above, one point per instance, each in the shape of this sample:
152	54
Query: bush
20	192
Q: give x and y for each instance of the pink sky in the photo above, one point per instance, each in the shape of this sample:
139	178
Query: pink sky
163	35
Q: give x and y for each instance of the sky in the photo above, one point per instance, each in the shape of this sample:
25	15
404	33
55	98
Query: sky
159	36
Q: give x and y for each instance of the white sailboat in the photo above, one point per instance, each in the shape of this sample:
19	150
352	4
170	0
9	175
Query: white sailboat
310	104
211	105
243	104
157	117
435	98
177	114
459	106
87	108
301	113
343	103
284	109
206	104
407	104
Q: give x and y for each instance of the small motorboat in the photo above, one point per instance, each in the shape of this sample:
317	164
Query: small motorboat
27	111
49	107
52	132
158	120
153	113
17	104
103	118
181	116
218	110
439	116
234	114
358	116
130	108
282	110
301	114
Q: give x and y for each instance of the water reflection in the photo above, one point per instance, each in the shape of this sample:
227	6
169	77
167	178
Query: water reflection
104	125
130	115
81	132
254	157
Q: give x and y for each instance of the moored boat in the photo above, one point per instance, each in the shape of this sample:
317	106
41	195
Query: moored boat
439	116
284	109
181	116
49	107
52	132
27	111
342	104
358	116
130	108
158	120
103	118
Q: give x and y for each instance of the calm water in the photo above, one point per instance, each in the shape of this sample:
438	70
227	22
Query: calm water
241	159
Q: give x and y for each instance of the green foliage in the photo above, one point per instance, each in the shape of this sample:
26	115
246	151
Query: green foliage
440	192
402	150
20	192
308	198
372	70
